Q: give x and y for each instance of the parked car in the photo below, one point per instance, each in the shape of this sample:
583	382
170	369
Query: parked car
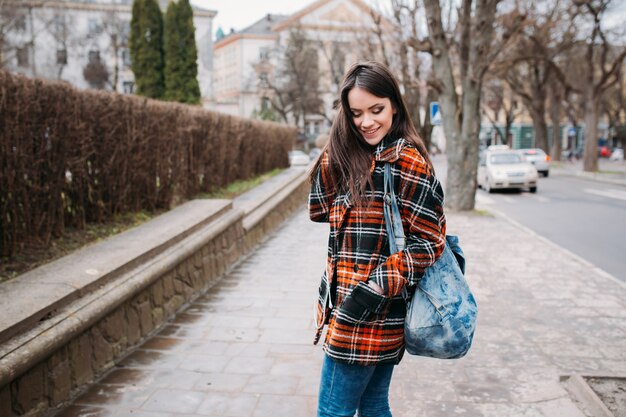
538	158
298	158
604	152
506	169
315	152
617	155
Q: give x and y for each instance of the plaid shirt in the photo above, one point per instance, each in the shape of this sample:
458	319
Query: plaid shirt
365	327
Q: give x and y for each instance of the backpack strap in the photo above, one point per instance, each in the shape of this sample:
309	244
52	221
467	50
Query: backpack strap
393	221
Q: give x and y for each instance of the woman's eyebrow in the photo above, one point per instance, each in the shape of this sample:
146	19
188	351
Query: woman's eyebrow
369	108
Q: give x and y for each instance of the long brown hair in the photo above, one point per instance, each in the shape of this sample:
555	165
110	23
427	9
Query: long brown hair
349	155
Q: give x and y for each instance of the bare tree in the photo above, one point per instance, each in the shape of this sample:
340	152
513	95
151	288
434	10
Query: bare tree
295	84
555	95
17	38
397	42
529	64
116	31
500	99
475	49
603	62
615	109
12	20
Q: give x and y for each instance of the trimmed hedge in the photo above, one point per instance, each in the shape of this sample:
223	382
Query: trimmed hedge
70	157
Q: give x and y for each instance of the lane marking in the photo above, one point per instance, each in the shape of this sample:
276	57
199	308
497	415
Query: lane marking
610	193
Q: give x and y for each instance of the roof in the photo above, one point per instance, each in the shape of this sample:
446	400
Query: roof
261	27
295	18
264	25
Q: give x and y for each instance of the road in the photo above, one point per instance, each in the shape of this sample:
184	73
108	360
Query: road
585	217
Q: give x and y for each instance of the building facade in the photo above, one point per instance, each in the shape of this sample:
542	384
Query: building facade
241	66
247	62
86	43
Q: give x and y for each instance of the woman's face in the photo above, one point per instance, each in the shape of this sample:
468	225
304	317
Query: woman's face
372	115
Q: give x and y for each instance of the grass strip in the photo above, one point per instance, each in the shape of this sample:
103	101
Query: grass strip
38	253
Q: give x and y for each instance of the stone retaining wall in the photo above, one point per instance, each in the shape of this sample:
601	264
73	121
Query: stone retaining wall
97	330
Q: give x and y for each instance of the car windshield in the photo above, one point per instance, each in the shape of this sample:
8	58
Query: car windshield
505	158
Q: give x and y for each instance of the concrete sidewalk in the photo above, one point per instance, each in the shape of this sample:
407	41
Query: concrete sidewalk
244	349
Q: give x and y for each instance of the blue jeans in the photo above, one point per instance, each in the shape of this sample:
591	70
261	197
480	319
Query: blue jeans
344	389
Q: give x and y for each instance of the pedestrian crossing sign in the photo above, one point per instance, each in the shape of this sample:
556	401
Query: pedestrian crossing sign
435	113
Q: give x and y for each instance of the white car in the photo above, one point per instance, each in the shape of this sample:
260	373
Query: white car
538	158
506	169
617	155
298	158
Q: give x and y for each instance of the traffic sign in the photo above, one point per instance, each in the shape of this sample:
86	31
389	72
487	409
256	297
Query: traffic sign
435	113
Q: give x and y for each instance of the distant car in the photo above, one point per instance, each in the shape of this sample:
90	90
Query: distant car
617	155
298	158
604	152
538	158
506	169
315	152
492	148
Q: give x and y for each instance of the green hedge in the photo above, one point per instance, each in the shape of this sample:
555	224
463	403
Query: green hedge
70	157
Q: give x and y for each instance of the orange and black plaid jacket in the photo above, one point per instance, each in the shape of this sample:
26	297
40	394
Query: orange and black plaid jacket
365	327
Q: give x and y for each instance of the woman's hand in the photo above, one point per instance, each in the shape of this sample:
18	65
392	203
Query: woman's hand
376	287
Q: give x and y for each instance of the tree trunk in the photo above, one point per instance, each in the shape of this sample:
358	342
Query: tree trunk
461	121
590	159
462	188
541	132
507	131
555	115
537	109
449	107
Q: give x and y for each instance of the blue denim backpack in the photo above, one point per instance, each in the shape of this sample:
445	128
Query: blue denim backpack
441	315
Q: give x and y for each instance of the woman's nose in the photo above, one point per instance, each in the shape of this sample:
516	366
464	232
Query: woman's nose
367	121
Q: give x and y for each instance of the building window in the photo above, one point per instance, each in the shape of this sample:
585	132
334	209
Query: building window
20	23
62	56
263	80
22	57
93	26
264	54
59	24
265	104
126	57
128	86
94	56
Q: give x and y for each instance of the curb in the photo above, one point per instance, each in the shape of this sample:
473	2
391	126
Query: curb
567	252
582	393
154	288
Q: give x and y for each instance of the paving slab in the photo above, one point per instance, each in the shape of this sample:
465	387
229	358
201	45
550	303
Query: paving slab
244	349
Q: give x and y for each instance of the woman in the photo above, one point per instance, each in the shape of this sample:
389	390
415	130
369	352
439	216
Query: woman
360	296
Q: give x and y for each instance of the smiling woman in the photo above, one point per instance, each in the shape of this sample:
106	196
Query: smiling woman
360	294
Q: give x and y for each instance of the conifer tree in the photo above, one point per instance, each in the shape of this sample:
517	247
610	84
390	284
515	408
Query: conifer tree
146	48
181	56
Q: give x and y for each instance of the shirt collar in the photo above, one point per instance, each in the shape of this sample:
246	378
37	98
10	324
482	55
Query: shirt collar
388	150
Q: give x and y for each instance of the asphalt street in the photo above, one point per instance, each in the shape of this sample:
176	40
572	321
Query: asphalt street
587	218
